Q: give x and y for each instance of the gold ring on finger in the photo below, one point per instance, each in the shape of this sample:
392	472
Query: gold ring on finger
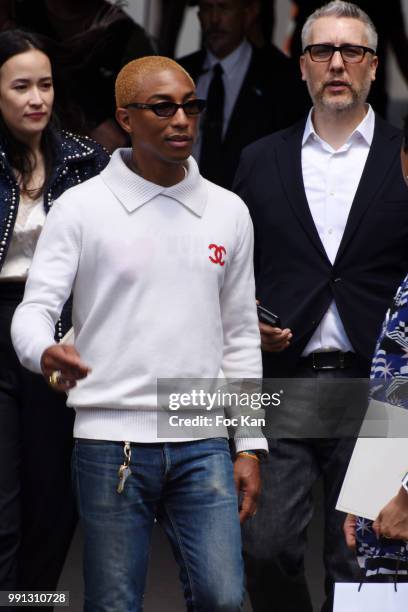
55	378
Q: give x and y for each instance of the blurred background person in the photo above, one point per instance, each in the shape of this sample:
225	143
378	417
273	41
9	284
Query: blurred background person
38	163
250	92
95	39
172	13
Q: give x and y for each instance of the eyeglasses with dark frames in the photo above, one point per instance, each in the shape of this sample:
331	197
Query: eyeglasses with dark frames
169	109
351	54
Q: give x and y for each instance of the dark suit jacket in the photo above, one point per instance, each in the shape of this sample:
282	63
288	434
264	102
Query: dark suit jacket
272	97
293	274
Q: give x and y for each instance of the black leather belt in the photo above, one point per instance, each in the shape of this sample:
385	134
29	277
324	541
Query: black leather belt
330	360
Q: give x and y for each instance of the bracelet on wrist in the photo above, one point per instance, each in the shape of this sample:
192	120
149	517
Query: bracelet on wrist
250	455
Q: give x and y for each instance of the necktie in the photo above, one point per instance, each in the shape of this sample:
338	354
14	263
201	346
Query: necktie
211	127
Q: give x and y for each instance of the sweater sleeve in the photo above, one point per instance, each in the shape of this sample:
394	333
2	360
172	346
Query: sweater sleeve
242	352
242	355
49	284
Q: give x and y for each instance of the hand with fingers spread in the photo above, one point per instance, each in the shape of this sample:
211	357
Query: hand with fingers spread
62	366
248	484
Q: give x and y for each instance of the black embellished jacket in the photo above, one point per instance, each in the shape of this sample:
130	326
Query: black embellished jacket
77	159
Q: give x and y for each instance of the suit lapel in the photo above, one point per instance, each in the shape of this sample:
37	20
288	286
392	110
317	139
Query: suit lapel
243	103
379	160
289	160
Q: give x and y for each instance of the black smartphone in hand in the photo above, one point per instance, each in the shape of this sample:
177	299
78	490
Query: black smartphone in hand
268	317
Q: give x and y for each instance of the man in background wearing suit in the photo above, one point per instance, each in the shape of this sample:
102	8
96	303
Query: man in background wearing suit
250	92
330	211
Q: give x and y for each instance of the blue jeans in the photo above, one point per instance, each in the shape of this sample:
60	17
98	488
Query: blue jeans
189	488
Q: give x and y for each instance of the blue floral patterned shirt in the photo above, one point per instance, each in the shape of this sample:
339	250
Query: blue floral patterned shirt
389	383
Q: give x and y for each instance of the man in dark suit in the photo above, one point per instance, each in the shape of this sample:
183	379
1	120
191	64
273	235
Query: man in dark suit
330	212
250	92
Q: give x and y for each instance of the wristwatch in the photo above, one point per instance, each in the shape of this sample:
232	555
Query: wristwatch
405	482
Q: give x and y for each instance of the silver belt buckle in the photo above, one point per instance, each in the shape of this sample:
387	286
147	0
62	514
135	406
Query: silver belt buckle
317	367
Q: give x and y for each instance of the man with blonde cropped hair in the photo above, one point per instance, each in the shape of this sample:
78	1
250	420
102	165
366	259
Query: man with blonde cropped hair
159	261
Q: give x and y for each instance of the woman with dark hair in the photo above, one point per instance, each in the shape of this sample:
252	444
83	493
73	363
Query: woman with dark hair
37	163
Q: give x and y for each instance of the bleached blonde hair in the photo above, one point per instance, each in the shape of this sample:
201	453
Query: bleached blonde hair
131	76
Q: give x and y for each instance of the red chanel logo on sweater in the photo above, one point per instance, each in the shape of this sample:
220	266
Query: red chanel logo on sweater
219	252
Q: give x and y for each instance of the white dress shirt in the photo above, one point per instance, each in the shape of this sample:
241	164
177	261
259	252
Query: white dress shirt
331	178
29	223
235	67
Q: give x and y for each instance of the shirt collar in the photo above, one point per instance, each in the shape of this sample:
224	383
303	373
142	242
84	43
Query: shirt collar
365	129
231	61
133	191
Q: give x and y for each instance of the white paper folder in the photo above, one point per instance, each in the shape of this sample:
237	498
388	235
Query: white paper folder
377	465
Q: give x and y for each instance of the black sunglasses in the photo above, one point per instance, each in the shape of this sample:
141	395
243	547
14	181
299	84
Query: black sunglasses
169	109
351	54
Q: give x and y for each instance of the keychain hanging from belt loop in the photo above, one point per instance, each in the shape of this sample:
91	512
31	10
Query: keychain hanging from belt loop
124	470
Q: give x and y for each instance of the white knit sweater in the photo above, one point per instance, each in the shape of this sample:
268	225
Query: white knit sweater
151	298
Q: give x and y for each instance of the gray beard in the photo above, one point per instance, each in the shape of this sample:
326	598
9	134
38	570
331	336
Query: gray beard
357	98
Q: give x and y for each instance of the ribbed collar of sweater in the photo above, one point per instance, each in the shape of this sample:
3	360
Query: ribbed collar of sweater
133	191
